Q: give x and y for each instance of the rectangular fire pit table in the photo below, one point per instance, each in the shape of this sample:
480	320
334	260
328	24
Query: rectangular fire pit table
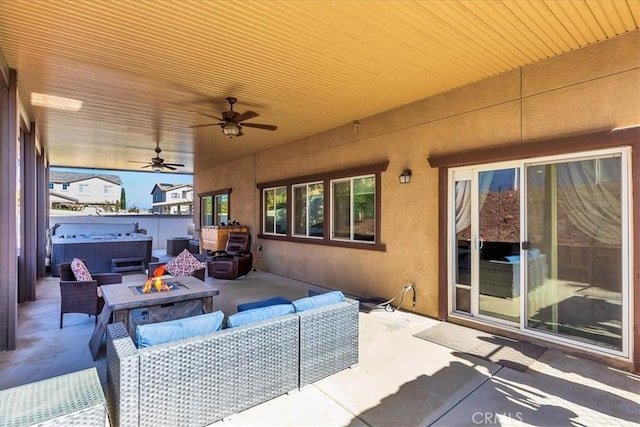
125	303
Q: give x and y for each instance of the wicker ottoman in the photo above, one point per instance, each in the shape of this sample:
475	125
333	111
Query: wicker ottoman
71	399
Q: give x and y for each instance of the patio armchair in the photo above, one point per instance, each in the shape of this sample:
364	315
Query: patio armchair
235	261
83	296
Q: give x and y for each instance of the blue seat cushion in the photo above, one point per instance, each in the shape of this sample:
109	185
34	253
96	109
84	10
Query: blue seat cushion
162	332
513	258
318	301
263	303
258	314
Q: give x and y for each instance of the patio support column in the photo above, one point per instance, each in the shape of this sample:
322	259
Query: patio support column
42	208
635	175
28	213
8	248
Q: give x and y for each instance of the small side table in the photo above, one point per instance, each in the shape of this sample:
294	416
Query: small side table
71	399
175	245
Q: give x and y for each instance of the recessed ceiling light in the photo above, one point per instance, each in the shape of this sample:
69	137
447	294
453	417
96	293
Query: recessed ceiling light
57	102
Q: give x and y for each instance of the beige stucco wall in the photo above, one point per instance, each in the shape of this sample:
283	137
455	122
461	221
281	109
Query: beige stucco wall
593	88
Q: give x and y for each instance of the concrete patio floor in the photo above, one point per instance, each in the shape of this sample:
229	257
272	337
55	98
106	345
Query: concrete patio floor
400	380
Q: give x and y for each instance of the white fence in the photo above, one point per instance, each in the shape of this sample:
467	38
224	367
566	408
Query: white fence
159	227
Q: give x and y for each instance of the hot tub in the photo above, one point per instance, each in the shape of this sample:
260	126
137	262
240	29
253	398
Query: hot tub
98	244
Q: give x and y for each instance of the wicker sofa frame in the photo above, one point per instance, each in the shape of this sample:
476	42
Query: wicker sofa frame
199	380
74	399
328	340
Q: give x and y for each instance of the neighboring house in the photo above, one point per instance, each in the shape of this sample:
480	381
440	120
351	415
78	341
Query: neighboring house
172	199
71	190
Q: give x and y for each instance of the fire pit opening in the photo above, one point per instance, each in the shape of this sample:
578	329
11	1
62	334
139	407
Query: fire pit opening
164	287
157	283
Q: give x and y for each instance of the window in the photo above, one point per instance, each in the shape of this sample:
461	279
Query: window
354	209
221	208
214	208
308	210
275	210
175	195
51	186
337	208
65	185
82	188
107	189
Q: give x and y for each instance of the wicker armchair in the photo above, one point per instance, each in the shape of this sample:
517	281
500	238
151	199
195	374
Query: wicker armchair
82	297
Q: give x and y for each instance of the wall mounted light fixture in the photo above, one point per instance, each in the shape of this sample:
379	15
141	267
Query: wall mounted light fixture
405	176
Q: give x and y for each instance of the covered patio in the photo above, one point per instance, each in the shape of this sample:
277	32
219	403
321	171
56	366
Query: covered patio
339	134
400	380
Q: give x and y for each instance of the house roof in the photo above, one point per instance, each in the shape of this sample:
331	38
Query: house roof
168	187
56	176
150	71
53	194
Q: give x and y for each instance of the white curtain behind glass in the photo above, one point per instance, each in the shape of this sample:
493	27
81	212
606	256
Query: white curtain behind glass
590	190
463	198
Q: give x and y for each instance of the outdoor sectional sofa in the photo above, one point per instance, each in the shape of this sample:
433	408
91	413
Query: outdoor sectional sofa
199	380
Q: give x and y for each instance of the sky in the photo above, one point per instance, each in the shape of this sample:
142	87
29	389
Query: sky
137	185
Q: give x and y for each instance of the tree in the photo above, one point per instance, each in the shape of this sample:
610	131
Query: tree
123	200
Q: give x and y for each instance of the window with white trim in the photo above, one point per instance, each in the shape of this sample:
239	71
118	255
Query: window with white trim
275	210
353	209
308	210
335	208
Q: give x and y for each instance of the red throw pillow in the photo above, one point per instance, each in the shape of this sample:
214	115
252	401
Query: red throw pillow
183	265
80	271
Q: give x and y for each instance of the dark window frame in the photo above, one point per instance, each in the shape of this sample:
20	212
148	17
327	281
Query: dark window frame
212	194
375	169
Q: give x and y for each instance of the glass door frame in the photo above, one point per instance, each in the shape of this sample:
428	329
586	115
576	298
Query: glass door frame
464	174
627	247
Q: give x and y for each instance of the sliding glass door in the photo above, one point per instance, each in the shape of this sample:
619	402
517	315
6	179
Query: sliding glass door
487	243
542	245
576	221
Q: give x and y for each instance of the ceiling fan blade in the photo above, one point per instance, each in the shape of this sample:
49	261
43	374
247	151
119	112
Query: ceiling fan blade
209	124
169	167
209	115
147	166
180	165
246	116
260	126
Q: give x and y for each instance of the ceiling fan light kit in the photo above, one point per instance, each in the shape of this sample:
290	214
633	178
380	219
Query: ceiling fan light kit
230	129
157	163
232	122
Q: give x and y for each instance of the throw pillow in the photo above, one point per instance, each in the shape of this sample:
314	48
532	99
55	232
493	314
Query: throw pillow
258	314
183	265
80	271
162	332
318	301
263	303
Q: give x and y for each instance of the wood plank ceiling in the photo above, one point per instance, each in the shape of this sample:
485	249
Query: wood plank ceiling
146	68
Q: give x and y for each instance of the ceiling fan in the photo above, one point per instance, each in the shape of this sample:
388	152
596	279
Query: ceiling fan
232	122
157	163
